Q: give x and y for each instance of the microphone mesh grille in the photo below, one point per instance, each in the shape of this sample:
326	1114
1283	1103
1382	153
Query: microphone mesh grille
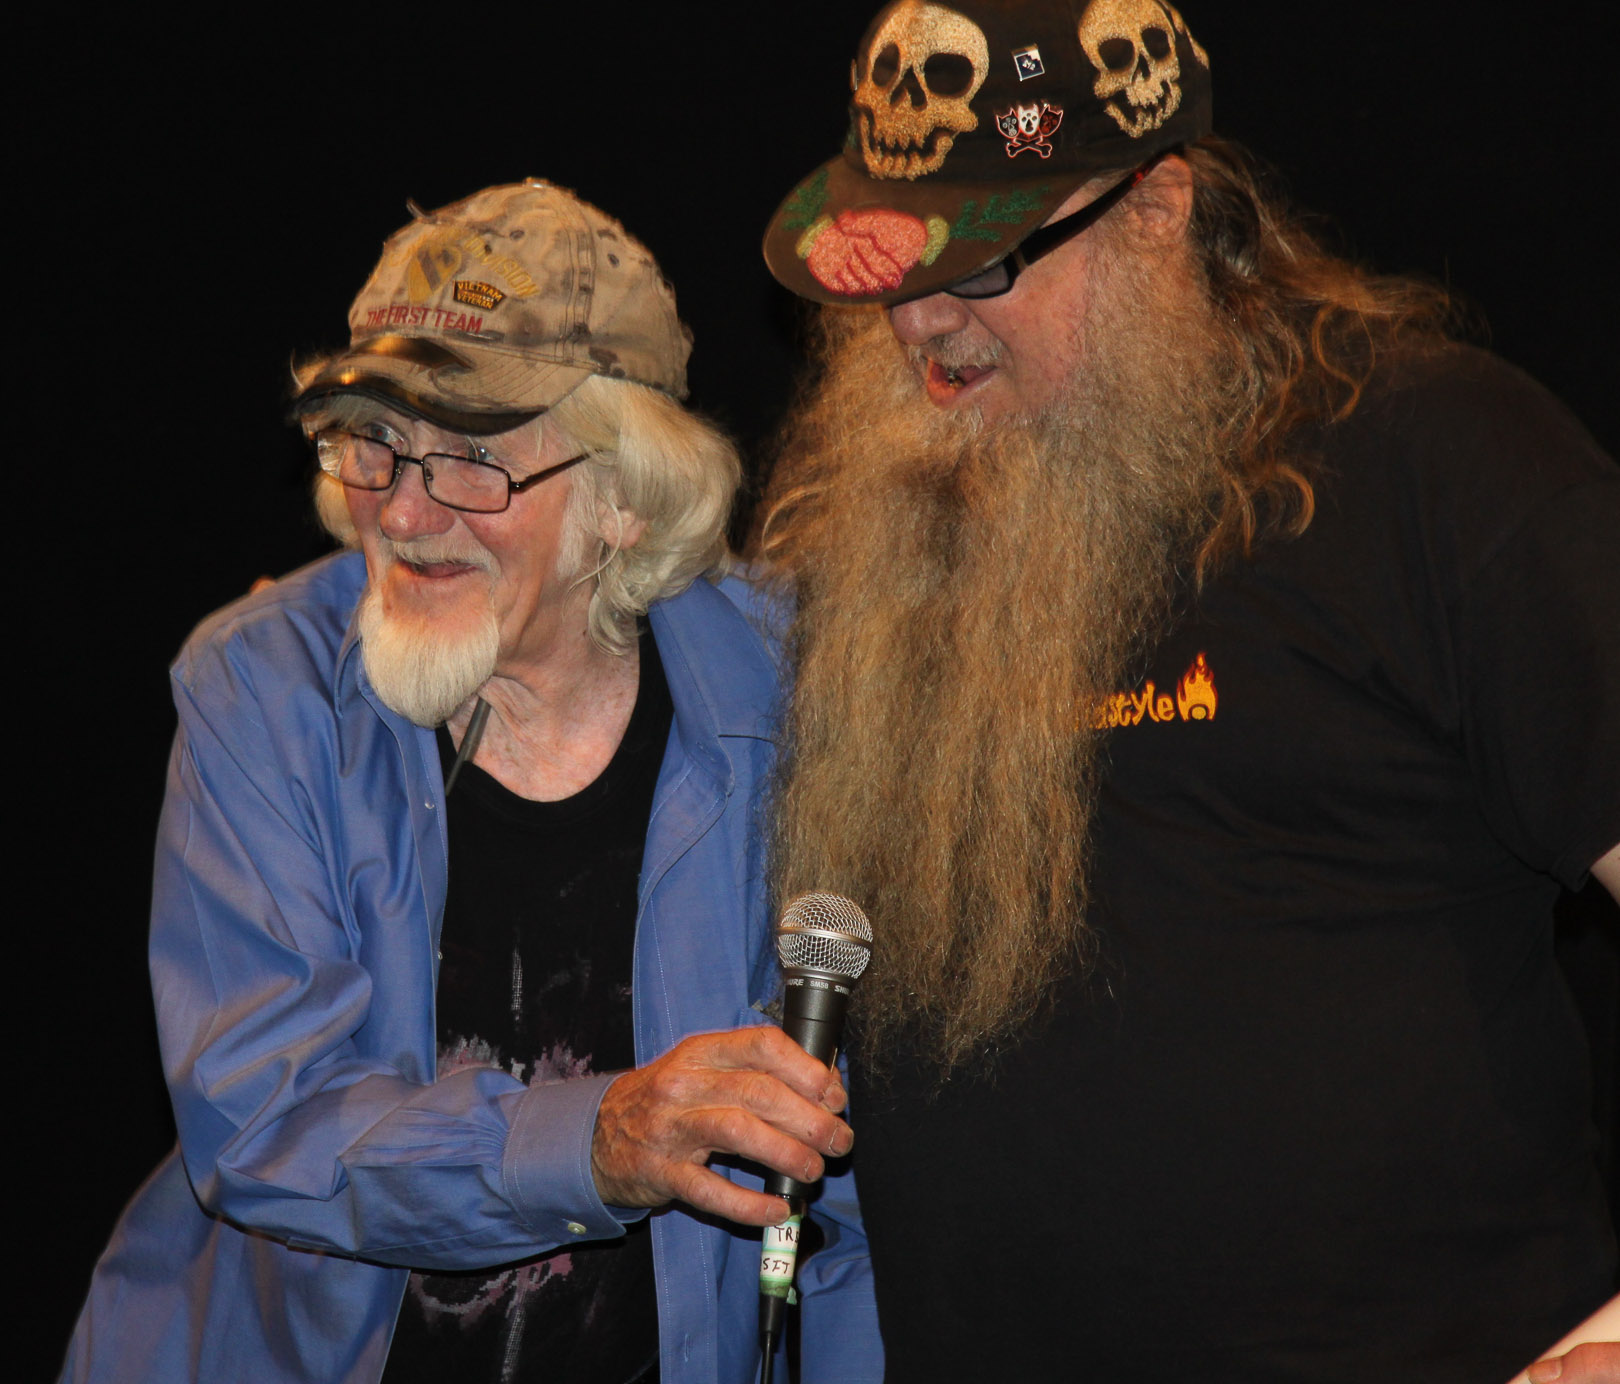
824	932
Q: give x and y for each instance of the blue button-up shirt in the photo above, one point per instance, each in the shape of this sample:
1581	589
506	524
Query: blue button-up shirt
299	891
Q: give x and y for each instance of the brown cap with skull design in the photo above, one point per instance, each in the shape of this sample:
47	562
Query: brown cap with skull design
969	124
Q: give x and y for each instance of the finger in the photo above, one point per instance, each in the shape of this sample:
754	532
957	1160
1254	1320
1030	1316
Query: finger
767	1049
632	1171
784	1109
1593	1362
740	1133
654	1121
741	1069
704	1190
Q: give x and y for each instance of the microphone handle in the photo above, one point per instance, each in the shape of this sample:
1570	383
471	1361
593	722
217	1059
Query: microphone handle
813	1016
778	1257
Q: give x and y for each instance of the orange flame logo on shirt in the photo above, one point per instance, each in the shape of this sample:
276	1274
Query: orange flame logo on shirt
1194	701
1195	693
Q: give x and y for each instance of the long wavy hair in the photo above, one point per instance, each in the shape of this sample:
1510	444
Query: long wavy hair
969	592
1305	327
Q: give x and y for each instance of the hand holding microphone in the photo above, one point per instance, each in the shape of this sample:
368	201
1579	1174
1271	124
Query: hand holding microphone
755	1092
768	1094
823	942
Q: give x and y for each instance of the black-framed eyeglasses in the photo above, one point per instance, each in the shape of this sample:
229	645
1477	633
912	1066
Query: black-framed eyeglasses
464	483
1003	274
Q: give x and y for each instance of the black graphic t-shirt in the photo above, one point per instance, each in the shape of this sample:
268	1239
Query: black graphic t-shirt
1321	1113
539	933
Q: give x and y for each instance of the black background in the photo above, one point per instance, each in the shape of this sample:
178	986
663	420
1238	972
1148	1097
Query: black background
199	203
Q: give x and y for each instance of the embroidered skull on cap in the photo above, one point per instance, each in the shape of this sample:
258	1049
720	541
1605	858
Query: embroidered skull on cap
969	124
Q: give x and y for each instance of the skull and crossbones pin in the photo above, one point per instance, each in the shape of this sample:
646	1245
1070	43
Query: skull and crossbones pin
1029	128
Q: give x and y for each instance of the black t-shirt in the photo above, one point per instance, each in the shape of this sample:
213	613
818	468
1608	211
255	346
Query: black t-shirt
537	944
1321	1113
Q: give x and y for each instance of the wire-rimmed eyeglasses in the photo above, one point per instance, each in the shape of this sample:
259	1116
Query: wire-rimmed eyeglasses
456	482
1000	276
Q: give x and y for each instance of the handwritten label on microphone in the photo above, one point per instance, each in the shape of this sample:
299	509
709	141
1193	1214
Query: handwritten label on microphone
777	1255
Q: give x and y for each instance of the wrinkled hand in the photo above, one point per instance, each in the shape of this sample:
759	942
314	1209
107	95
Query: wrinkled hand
1596	1362
752	1092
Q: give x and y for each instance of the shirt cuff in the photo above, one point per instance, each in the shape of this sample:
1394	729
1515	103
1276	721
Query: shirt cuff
546	1170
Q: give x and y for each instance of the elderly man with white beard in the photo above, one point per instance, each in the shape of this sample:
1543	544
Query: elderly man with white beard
459	943
1179	618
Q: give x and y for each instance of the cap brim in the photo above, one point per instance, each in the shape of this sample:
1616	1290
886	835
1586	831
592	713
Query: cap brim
476	390
844	237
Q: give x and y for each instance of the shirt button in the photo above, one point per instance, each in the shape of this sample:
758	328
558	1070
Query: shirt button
575	1228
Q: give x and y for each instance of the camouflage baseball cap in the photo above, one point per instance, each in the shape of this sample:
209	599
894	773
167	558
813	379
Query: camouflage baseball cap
970	123
487	312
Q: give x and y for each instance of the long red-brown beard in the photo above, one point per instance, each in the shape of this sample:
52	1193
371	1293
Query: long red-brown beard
967	595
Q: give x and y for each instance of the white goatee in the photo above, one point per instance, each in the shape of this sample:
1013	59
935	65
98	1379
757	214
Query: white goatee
421	667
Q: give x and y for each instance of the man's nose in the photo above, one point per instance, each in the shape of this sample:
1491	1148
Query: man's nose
409	511
922	319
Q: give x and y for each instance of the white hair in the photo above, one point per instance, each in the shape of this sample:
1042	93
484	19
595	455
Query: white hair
654	462
651	462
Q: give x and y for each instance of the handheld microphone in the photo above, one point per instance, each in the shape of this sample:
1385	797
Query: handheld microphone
823	942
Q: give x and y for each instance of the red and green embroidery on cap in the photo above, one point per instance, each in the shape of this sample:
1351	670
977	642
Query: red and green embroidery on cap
860	251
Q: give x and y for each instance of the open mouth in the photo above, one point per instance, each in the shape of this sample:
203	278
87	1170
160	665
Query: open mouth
435	558
946	382
437	571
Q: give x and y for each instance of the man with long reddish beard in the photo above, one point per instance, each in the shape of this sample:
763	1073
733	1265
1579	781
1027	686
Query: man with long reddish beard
459	941
1179	618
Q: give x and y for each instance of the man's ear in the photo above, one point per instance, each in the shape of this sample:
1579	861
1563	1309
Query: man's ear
1163	203
620	528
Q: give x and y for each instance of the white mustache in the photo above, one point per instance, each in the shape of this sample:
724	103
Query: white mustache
422	551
